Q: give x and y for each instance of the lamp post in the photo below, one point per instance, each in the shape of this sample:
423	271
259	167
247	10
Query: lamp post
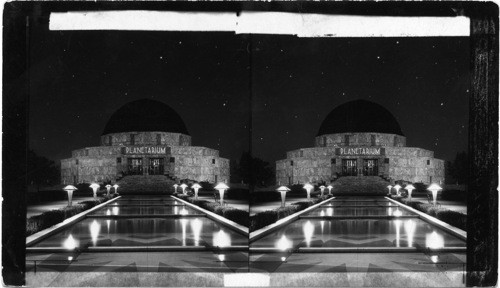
434	188
397	187
283	190
196	187
69	189
322	188
116	188
330	187
183	187
222	188
410	188
175	188
94	187
308	188
108	187
389	187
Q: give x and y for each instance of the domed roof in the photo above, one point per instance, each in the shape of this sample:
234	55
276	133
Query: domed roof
360	116
145	115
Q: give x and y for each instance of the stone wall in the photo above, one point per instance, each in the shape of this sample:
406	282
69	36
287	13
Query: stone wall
315	165
360	139
88	169
146	138
200	164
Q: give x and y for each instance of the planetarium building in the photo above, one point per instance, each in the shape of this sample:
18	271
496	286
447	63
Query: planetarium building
362	139
144	145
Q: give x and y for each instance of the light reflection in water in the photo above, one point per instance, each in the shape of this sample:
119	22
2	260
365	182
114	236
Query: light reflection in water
322	214
283	259
184	211
283	243
116	210
398	213
221	239
308	232
398	236
196	228
70	243
222	257
183	225
95	228
176	210
389	211
108	222
410	231
108	212
329	211
434	240
434	258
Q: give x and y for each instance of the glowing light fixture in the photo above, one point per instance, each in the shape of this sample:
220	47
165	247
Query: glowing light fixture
108	187
196	187
434	188
283	190
116	188
222	257
410	188
329	187
69	189
397	187
322	189
175	188
308	188
434	258
389	187
183	187
283	259
95	187
221	187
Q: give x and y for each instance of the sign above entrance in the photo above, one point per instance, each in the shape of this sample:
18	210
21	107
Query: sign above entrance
360	151
145	150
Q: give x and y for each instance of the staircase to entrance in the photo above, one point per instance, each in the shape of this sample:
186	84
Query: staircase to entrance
360	185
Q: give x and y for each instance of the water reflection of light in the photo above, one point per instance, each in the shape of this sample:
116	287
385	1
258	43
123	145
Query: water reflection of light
322	223
70	243
283	259
222	257
410	231
283	243
183	225
108	212
184	212
308	232
434	240
434	258
108	222
196	228
115	210
329	211
70	258
398	236
398	213
221	239
95	228
176	210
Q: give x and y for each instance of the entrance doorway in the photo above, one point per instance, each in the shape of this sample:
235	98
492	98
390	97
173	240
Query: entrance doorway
135	166
156	166
370	167
349	167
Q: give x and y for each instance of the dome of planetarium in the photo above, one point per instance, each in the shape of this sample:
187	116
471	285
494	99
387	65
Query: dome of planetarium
145	115
360	116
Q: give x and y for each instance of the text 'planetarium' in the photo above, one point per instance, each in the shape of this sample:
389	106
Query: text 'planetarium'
145	143
359	138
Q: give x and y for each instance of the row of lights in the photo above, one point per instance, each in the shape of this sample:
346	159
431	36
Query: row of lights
434	188
221	187
70	189
309	188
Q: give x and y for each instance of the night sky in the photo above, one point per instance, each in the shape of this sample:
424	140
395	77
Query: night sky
79	78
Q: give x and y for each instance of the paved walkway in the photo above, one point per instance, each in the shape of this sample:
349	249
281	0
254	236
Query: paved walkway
38	209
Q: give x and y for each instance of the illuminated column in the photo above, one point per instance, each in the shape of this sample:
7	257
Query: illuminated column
94	187
410	188
221	187
434	188
196	187
69	189
283	190
308	188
